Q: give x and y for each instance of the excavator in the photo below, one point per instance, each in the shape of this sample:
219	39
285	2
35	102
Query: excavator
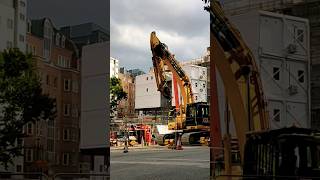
286	153
191	119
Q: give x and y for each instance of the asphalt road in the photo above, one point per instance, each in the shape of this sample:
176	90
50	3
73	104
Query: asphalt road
192	163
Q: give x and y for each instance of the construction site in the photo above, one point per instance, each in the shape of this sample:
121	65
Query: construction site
249	106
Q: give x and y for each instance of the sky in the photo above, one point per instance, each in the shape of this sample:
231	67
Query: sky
182	25
71	12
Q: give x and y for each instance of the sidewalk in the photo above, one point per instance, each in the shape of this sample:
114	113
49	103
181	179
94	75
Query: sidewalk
138	147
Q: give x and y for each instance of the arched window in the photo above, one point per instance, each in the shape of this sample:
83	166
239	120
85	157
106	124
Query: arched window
47	36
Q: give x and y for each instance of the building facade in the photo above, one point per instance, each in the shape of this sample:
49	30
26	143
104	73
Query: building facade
13	23
54	146
114	67
95	110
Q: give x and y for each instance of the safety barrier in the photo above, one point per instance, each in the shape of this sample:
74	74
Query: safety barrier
58	176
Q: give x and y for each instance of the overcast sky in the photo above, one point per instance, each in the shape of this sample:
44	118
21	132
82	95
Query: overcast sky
71	12
182	25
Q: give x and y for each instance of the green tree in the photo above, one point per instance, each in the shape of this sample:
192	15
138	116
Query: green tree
116	93
21	101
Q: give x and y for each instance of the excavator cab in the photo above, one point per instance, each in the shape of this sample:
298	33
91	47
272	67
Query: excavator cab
197	116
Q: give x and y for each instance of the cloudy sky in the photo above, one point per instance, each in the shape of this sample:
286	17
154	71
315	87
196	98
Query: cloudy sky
71	12
183	25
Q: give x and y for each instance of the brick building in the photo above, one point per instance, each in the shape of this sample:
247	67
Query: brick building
54	146
126	106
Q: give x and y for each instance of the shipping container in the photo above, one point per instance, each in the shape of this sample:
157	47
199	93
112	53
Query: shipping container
280	45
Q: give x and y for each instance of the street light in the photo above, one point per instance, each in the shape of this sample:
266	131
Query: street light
126	150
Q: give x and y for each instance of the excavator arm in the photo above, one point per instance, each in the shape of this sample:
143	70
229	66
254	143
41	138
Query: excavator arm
164	61
240	74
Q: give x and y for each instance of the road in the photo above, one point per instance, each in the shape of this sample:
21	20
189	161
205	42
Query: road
192	163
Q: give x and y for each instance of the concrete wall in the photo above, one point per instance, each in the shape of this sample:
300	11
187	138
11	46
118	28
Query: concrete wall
146	92
95	96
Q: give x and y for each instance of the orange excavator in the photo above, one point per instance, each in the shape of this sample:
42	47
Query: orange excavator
190	118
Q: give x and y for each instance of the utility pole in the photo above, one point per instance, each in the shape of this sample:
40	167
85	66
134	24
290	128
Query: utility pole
126	150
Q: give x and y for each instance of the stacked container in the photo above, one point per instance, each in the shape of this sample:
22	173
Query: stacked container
280	45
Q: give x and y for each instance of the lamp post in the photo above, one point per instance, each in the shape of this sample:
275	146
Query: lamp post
126	150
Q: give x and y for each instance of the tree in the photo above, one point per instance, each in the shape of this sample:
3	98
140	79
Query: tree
116	93
21	101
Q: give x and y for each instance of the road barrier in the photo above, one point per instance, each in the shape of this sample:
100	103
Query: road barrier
58	176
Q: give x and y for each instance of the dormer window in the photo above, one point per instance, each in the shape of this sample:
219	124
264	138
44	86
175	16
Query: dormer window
63	42
57	39
47	39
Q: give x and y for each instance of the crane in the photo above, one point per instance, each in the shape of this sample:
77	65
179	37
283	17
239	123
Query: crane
191	116
262	151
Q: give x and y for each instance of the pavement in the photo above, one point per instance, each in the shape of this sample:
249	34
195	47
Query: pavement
160	163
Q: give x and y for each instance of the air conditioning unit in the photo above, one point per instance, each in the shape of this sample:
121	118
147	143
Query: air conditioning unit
293	89
292	48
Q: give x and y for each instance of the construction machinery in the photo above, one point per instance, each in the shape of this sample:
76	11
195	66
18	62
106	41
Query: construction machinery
264	153
189	118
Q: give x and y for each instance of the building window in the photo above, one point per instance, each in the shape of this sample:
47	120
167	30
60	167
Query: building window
63	42
65	159
66	134
39	129
57	39
29	128
10	23
196	97
22	17
66	109
18	168
301	76
47	37
55	82
22	4
147	78
147	90
75	111
29	155
204	85
47	80
29	27
276	73
67	84
21	38
300	35
276	115
196	84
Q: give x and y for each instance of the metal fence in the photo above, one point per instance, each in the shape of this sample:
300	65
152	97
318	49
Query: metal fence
240	177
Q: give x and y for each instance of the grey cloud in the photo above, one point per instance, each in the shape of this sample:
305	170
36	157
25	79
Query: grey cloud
185	19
